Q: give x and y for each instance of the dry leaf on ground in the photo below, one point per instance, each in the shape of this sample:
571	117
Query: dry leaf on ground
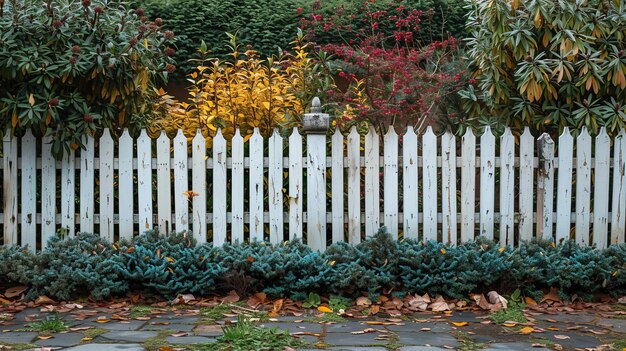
497	300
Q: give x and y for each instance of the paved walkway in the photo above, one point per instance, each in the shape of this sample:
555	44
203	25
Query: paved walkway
96	329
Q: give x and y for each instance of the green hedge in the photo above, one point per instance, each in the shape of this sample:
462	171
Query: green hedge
89	266
264	24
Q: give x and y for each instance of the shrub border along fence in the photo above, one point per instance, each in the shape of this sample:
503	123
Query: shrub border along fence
420	195
88	265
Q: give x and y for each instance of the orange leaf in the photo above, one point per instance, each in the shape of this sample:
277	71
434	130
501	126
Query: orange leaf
324	309
529	301
460	324
526	330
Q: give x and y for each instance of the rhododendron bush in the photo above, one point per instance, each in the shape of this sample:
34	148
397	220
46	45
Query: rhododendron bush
393	75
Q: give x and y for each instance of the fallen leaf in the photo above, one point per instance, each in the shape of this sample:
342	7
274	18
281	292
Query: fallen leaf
439	305
44	337
324	309
179	334
44	300
561	337
231	298
363	301
166	348
374	309
85	339
425	329
481	301
460	324
15	291
509	324
526	330
529	301
552	296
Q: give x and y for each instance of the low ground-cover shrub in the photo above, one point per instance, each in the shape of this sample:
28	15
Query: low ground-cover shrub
171	265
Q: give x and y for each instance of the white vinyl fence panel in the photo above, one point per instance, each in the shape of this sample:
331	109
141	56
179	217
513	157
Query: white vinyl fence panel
418	186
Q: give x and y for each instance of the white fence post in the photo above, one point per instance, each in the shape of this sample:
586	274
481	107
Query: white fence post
9	185
564	187
125	181
468	185
448	188
583	186
337	186
390	153
296	193
487	182
601	189
618	209
315	124
429	184
275	187
181	182
219	189
507	186
354	187
164	184
198	186
410	182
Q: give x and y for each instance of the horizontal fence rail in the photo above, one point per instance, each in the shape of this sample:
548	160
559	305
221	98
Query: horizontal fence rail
320	188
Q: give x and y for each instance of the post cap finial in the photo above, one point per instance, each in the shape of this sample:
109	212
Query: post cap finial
316	105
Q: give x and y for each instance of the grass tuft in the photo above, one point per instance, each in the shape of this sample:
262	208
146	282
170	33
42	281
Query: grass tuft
513	313
52	324
245	335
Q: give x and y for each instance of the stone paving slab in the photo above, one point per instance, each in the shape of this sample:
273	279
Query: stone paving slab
208	330
337	339
129	336
426	338
294	327
435	327
176	327
420	348
62	340
107	347
188	340
514	346
617	325
18	337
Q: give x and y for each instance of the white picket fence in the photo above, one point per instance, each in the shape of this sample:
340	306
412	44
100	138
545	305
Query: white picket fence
429	189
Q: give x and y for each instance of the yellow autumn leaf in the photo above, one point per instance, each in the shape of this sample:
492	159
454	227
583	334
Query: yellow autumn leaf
443	251
31	100
509	324
324	309
501	249
526	330
86	339
460	324
169	259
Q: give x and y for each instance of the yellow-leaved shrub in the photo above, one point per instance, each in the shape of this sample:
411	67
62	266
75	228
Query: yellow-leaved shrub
247	92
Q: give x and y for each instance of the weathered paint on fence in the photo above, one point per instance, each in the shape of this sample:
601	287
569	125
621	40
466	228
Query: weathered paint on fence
236	190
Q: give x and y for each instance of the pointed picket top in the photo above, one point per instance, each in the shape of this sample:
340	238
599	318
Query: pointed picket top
275	134
603	134
180	136
219	136
566	134
106	134
469	134
198	138
295	132
390	132
487	134
371	132
163	136
410	134
584	134
546	139
238	134
337	134
353	133
430	133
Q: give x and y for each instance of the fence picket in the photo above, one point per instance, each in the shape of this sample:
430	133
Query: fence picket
10	189
545	188
237	225
526	181
144	181
354	187
275	187
337	186
86	185
390	199
181	182
29	191
164	200
296	192
198	186
106	186
618	208
256	186
48	192
564	187
372	182
125	180
68	191
448	188
468	184
601	189
487	182
219	189
507	186
429	184
410	181
583	186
